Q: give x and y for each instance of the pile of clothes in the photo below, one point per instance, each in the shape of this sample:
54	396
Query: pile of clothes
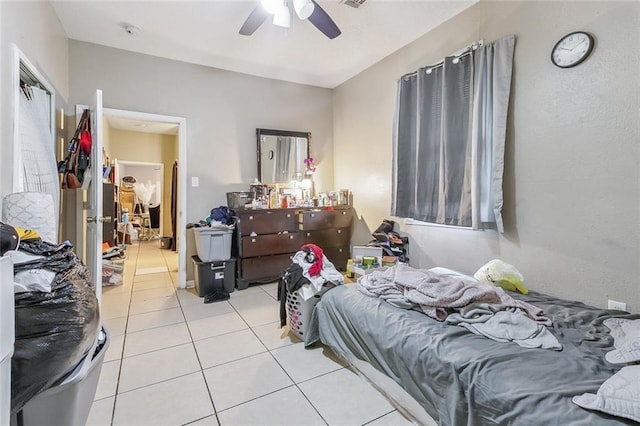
113	264
391	242
308	274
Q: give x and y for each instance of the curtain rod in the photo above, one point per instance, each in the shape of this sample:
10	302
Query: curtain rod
27	77
458	54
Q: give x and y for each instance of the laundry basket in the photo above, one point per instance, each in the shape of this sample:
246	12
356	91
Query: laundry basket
299	310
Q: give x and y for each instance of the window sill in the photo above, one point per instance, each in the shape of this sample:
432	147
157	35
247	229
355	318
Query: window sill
408	221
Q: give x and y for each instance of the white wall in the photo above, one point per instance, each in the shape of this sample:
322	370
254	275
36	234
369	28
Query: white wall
35	29
572	182
222	108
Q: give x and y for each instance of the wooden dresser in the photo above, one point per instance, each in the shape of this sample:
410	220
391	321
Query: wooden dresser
267	239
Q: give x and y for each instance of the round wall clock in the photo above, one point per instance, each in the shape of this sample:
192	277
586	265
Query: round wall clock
572	49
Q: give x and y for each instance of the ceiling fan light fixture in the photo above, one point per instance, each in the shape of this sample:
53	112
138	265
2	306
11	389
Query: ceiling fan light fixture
271	6
303	8
282	17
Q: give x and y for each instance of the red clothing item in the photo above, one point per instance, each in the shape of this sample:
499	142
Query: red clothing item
316	267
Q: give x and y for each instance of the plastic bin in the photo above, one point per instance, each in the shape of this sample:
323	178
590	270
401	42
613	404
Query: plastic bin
213	244
209	276
299	310
112	272
69	402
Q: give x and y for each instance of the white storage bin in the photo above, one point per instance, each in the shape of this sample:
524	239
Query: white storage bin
213	244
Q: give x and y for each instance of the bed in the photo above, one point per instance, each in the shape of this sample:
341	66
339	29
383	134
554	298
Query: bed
454	377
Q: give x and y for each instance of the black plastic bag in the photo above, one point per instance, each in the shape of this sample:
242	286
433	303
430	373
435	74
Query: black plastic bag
55	330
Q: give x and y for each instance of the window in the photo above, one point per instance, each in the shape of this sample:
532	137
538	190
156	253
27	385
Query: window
449	138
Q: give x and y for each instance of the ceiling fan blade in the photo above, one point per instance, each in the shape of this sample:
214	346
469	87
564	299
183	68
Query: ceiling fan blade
323	22
254	20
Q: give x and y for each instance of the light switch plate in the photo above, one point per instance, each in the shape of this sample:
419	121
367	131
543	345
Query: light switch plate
619	306
195	181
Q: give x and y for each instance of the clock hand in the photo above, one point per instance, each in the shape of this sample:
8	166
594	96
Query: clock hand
578	44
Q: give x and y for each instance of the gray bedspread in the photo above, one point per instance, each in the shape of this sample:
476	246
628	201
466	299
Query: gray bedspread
460	378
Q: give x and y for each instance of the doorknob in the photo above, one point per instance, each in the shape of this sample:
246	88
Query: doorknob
99	219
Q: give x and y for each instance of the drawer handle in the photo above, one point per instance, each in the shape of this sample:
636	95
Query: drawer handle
291	237
313	214
253	240
344	212
250	217
340	250
288	214
339	231
308	234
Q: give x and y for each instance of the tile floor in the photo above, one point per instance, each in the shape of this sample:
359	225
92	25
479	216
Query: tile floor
174	360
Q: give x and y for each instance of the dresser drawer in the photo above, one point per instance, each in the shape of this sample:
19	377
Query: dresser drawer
327	238
310	220
265	267
338	256
266	221
263	245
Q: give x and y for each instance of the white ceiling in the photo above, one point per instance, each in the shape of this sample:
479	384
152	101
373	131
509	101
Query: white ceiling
206	33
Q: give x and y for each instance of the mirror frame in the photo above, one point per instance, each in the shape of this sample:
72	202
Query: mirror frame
287	133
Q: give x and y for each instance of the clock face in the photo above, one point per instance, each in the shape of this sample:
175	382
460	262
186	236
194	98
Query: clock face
572	49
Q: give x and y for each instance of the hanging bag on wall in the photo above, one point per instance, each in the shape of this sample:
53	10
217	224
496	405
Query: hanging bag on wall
84	151
71	166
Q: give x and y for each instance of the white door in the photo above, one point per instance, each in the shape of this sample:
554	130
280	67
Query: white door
94	211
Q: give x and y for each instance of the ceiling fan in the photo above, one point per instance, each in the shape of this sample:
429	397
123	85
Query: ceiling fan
305	9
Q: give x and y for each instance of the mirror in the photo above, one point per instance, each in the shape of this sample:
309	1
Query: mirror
281	155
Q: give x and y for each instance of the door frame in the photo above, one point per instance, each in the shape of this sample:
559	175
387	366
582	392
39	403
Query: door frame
19	57
181	226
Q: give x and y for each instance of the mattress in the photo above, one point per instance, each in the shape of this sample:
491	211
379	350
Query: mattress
460	378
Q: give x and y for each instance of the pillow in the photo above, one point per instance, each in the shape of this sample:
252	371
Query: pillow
502	275
626	340
619	395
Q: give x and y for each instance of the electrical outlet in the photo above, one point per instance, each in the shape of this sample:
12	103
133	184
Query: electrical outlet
195	181
618	306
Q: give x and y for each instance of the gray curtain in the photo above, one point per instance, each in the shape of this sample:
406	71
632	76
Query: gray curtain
492	86
283	156
449	139
289	158
405	142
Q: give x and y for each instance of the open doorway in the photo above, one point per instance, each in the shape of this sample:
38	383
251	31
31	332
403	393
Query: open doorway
138	144
152	195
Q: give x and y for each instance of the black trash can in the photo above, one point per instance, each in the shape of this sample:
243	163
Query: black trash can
217	275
